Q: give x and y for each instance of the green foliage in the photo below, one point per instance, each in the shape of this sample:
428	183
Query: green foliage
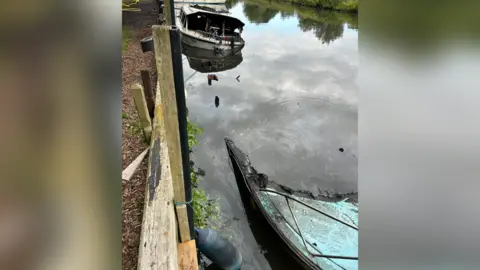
204	209
326	25
193	132
258	14
127	37
351	6
339	5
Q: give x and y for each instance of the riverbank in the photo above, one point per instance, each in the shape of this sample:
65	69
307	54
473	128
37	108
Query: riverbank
135	26
335	5
133	143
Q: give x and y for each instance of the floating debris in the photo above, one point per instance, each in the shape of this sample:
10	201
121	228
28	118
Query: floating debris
217	101
237	78
341	150
211	77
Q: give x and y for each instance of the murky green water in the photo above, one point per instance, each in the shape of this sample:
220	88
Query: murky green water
293	106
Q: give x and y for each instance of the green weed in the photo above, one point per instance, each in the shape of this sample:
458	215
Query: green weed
204	209
127	37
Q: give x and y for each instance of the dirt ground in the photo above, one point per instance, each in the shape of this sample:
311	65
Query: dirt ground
136	25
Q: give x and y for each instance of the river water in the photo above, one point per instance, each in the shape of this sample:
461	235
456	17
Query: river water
290	101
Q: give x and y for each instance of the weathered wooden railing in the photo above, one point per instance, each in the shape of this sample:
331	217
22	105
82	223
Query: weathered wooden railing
166	240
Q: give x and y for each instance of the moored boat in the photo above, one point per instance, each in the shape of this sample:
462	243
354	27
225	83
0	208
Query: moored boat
209	2
206	28
319	234
219	8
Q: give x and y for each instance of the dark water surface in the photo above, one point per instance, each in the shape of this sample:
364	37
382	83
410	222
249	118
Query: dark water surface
293	106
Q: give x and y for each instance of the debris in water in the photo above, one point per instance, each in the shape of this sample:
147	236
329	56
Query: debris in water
217	101
262	250
236	218
237	78
340	149
211	77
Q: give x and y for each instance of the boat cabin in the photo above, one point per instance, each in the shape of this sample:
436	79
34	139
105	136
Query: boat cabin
211	23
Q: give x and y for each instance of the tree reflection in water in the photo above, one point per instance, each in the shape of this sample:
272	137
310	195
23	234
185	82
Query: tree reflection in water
327	26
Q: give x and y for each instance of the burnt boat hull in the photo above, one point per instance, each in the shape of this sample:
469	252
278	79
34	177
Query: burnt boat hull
250	198
319	230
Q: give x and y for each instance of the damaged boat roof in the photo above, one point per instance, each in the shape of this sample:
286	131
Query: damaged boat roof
192	10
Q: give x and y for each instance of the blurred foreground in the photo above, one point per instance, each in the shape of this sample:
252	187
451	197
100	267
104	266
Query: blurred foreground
60	134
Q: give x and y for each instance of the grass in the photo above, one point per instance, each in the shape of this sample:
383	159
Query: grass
133	127
132	124
204	209
127	37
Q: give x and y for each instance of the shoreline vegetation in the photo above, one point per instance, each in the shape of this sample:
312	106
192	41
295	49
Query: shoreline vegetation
326	25
306	12
334	5
204	209
133	142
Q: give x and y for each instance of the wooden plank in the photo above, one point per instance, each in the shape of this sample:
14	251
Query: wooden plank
130	170
167	9
142	110
158	240
166	109
182	221
148	91
187	256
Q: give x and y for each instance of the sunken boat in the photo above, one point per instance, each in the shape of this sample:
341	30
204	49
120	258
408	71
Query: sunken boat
319	234
206	28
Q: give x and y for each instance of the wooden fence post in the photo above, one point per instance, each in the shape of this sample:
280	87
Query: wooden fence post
148	91
166	108
167	12
142	110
